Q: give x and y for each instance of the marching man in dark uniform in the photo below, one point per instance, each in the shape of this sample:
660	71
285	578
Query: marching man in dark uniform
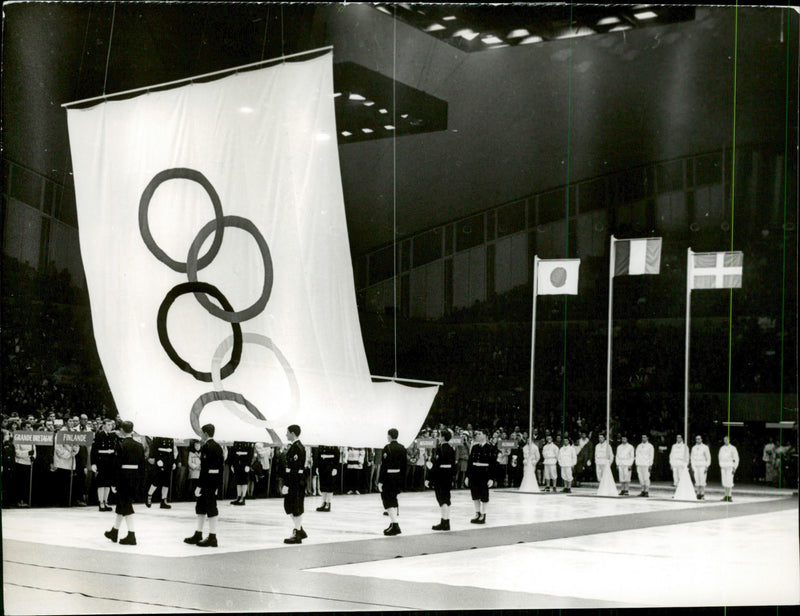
327	467
442	468
104	451
239	458
129	464
390	479
211	464
480	471
294	483
163	454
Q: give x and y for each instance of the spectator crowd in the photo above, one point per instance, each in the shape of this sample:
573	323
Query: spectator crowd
62	474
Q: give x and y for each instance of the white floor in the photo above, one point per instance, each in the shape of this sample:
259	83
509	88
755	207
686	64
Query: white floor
599	558
262	524
751	560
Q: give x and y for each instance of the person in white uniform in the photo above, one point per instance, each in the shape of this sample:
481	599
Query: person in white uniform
625	458
700	460
645	454
678	458
550	456
603	457
567	459
728	463
531	456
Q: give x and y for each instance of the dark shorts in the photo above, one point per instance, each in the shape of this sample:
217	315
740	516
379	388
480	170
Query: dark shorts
240	476
389	498
442	490
327	482
478	488
293	501
162	474
105	474
207	503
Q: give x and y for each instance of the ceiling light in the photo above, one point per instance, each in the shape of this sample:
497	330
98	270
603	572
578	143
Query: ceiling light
356	97
335	94
466	34
383	10
382	110
645	15
499	46
491	40
449	18
405	6
607	21
389	127
620	28
346	133
531	39
434	28
366	130
369	103
518	33
403	115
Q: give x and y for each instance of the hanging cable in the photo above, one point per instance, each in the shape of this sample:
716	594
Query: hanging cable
394	188
77	87
110	36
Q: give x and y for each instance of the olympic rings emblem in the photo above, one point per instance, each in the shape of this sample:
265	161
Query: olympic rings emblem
202	290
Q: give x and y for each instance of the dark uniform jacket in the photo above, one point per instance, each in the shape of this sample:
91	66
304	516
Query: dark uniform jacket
163	448
130	464
104	448
444	461
294	469
326	459
393	465
482	461
240	455
211	463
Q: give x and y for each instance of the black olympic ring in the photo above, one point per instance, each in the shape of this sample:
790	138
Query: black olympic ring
192	267
197	287
144	226
214	396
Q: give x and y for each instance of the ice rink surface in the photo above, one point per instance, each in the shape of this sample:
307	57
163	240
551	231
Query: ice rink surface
536	551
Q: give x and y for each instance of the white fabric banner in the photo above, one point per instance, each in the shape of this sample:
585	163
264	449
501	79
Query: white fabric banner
214	240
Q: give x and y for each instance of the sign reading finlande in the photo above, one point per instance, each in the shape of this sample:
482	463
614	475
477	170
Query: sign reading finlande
74	438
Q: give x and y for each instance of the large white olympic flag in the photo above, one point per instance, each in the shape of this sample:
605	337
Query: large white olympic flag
213	235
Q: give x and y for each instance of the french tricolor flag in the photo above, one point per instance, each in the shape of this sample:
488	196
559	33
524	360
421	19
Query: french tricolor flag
637	256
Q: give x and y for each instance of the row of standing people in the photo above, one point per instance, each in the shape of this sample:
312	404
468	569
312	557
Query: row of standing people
626	457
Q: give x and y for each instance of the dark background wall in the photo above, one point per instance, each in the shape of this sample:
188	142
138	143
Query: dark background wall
521	120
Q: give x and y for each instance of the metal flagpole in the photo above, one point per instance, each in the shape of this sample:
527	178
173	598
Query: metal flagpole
533	344
689	264
611	266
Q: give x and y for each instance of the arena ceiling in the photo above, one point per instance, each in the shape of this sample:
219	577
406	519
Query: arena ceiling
474	122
